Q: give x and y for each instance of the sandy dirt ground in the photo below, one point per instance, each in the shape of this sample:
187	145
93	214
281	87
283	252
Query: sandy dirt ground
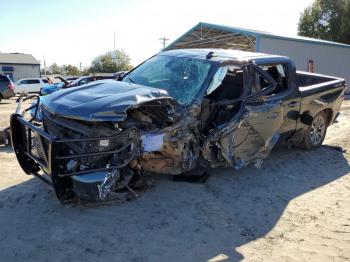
7	107
295	208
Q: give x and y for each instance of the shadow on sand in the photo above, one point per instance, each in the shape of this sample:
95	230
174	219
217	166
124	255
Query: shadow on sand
171	222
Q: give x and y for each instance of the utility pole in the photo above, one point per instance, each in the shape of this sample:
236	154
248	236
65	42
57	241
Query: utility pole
80	67
114	40
163	40
44	66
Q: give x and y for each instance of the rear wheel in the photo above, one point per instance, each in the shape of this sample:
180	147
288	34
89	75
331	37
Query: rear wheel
316	132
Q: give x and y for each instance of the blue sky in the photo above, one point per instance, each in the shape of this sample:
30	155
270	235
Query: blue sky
70	32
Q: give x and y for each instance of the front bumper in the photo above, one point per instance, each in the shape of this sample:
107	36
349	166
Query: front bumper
40	154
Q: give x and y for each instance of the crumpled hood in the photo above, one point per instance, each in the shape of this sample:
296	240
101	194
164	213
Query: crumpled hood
101	100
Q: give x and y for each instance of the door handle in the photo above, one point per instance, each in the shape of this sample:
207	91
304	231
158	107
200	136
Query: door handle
293	104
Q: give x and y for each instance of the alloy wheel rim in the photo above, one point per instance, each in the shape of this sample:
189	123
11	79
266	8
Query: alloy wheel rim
318	128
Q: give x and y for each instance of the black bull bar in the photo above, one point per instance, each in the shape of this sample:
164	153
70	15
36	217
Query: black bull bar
38	151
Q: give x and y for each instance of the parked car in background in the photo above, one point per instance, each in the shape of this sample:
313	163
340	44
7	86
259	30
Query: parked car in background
31	85
6	87
78	82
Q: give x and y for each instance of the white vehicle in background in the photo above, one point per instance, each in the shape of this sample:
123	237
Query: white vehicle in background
30	85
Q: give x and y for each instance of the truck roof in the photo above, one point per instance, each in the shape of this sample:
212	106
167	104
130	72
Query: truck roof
221	54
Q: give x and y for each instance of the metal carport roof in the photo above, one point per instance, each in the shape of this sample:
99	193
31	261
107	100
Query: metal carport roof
206	35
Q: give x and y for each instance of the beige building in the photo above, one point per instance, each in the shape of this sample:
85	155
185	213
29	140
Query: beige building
18	66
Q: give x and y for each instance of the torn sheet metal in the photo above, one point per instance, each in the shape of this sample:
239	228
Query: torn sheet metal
108	183
247	138
179	151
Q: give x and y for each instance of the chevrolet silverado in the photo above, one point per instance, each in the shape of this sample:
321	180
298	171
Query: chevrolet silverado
179	110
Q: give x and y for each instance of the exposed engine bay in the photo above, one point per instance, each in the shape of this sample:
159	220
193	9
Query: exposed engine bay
148	141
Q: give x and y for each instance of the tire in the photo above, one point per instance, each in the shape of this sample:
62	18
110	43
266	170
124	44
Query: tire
316	132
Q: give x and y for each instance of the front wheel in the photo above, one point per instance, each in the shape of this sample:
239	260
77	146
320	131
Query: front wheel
316	132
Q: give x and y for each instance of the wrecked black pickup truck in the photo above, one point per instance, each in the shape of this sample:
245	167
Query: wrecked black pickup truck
178	110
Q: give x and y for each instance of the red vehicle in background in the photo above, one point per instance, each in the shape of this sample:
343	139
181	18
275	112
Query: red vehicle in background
6	87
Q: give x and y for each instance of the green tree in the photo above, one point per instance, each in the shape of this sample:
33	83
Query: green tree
111	62
326	19
71	70
54	69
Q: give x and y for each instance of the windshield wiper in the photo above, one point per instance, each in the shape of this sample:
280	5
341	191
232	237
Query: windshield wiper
130	80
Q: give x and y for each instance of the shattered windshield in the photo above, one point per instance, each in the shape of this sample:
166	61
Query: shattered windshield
181	77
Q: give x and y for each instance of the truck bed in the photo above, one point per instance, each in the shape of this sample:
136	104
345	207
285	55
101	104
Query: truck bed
319	93
311	83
